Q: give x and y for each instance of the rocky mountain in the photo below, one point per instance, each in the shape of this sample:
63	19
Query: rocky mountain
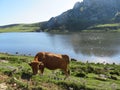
84	14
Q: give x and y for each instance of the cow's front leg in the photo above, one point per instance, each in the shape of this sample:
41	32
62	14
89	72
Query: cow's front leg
41	71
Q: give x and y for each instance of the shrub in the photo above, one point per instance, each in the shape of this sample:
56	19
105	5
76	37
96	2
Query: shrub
14	60
84	68
3	58
99	71
81	74
115	72
90	69
37	88
113	77
24	60
26	75
8	73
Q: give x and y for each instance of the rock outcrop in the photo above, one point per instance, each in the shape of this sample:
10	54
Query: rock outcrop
84	14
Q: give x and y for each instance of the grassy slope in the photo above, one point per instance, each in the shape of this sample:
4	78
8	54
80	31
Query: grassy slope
21	28
115	27
17	74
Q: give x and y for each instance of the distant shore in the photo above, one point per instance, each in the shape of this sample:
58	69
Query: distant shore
110	27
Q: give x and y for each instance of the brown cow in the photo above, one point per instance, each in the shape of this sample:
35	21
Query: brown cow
51	61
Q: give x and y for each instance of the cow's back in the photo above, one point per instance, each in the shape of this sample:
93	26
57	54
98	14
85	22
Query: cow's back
52	61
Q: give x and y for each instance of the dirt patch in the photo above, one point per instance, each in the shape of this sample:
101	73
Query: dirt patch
3	78
4	61
3	86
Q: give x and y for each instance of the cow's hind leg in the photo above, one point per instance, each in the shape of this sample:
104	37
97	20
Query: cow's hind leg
67	73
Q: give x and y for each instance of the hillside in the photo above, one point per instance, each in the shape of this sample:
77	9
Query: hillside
110	27
85	14
88	15
21	28
16	74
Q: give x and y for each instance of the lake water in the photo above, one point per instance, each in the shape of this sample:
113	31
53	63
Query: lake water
92	47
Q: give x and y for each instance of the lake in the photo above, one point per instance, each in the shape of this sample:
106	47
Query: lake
92	47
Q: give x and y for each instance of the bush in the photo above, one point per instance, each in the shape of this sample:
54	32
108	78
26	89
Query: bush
84	68
8	73
24	60
113	77
3	58
81	74
37	88
90	69
26	76
99	71
14	60
115	73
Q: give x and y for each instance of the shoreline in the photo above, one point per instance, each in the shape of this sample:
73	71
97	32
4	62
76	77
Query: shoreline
71	59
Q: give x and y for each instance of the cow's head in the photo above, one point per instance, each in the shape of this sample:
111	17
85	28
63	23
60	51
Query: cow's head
35	67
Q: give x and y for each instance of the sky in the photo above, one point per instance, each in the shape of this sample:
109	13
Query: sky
32	11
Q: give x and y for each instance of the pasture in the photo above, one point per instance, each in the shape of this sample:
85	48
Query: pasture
16	74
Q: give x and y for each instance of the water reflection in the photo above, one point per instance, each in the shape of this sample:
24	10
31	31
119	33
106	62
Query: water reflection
98	44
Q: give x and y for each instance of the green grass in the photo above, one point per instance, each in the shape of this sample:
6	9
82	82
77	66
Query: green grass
21	28
17	74
112	27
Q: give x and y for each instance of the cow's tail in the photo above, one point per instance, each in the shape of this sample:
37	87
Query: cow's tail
68	66
67	59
